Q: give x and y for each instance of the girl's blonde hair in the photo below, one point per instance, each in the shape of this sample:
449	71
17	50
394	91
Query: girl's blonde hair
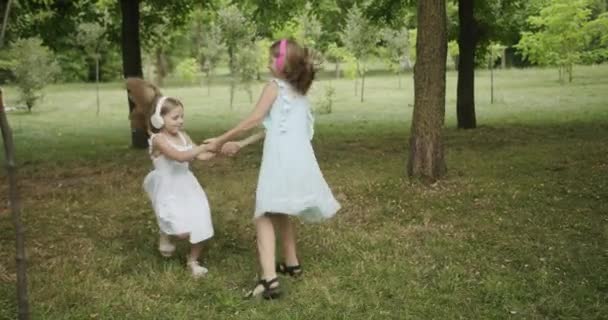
298	69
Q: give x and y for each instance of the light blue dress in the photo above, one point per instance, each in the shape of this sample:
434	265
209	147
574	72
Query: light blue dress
290	181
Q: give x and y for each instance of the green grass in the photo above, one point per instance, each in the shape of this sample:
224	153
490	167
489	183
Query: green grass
517	230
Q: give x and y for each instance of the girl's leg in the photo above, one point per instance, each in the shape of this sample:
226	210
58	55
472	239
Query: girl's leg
288	238
268	286
165	246
195	251
266	246
192	263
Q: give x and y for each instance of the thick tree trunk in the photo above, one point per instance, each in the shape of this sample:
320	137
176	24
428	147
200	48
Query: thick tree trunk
15	203
426	154
131	66
467	41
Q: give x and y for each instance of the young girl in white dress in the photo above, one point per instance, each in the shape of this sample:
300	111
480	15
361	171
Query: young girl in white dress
290	181
178	200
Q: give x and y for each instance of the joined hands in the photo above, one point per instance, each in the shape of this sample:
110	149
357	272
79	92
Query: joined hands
229	148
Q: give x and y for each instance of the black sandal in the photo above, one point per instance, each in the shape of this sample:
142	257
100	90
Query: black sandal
266	291
293	271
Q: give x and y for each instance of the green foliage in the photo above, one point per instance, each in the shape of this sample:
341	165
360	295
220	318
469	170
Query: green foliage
111	65
350	66
262	47
90	36
412	47
212	48
596	33
334	53
453	53
73	65
287	30
559	36
309	29
325	104
494	53
237	33
187	70
235	27
359	35
247	62
34	67
397	47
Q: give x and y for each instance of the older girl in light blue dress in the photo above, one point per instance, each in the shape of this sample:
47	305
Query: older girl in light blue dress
290	181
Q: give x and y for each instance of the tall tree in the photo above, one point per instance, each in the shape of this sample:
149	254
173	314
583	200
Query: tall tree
467	42
397	47
236	30
206	39
131	65
91	37
426	154
359	37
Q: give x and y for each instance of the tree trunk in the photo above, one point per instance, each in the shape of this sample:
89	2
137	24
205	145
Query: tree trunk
131	66
491	78
399	78
7	10
356	86
232	75
23	309
161	66
209	82
337	69
362	85
97	82
426	154
15	203
467	41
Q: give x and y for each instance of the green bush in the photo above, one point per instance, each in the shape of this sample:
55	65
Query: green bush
324	106
187	70
34	67
73	64
111	66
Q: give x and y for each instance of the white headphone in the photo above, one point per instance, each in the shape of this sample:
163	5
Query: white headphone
156	119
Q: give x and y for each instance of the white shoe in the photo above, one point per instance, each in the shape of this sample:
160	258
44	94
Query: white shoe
196	269
165	246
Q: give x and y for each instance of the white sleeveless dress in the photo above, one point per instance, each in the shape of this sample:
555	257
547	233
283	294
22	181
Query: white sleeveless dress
179	202
290	181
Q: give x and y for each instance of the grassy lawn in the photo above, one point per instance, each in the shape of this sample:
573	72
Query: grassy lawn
517	230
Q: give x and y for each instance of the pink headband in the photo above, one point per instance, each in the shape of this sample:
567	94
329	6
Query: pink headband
282	53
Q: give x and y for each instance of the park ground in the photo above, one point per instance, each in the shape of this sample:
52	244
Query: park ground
518	229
